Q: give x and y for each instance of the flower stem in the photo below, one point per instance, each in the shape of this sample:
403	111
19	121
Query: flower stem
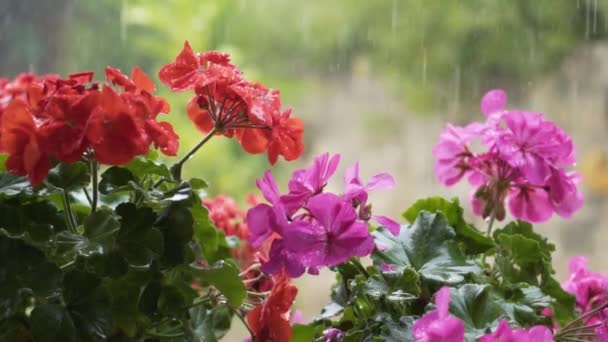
176	170
565	329
489	234
94	182
67	211
240	316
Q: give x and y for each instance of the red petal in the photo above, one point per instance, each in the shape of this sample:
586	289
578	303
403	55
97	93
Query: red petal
200	117
142	81
253	140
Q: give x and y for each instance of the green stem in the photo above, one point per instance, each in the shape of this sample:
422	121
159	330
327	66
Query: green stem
86	194
240	316
176	170
489	233
94	181
67	210
565	329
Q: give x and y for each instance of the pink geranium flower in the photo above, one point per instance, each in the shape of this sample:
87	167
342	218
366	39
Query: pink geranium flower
504	333
331	235
590	288
524	162
438	325
308	228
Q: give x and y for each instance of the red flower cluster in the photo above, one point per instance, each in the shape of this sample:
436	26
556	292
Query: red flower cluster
226	216
232	106
270	321
44	117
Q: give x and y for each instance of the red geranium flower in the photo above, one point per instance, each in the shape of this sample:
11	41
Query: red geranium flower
115	133
139	93
20	141
270	321
229	105
191	70
63	131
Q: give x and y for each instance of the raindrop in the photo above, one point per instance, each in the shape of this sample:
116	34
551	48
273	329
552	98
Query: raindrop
394	17
424	67
123	21
594	16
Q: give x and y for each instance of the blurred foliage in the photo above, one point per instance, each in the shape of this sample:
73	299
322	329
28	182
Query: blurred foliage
434	52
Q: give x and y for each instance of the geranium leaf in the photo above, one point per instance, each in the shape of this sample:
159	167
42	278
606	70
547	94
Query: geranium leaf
12	185
473	241
116	179
224	276
70	176
427	246
476	307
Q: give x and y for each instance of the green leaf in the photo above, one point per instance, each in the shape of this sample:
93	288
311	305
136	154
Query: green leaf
85	317
564	305
302	333
198	183
125	306
3	157
176	224
378	288
427	246
101	226
224	276
11	185
473	241
521	254
175	297
69	177
210	323
52	323
212	240
69	245
476	307
116	179
524	304
400	331
100	231
23	266
143	166
139	241
30	220
88	303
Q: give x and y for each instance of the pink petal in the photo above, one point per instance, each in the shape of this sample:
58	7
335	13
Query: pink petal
381	181
351	175
530	205
393	226
493	101
269	187
442	300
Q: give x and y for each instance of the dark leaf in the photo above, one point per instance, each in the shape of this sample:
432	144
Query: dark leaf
70	176
116	179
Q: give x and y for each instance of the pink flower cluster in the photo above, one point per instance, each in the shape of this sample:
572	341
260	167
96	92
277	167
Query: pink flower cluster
590	289
310	228
524	162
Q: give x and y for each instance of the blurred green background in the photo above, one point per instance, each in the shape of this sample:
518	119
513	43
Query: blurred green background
430	53
374	80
